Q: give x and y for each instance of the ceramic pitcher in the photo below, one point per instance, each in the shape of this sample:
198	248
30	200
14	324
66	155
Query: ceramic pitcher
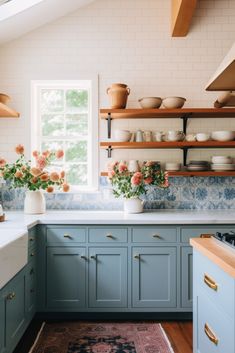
118	94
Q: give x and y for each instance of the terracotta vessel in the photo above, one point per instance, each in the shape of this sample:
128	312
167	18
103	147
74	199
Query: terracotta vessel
4	98
118	94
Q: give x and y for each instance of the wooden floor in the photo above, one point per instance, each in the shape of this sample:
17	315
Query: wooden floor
179	334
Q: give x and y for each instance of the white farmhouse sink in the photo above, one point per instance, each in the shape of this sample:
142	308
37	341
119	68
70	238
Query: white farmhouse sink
13	253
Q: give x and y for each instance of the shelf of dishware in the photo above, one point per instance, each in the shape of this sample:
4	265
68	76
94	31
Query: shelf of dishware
167	144
7	112
162	113
193	174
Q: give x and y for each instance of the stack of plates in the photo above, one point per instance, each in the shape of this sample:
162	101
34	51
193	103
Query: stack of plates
222	163
198	166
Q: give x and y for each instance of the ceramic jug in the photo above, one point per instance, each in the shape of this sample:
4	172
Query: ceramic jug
118	94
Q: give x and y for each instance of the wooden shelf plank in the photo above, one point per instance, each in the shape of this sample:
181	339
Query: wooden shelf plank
168	113
167	145
192	174
7	112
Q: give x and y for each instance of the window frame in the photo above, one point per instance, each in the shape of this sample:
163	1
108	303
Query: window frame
93	136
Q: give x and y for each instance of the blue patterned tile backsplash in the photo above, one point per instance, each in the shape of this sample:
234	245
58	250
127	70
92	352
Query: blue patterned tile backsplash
183	193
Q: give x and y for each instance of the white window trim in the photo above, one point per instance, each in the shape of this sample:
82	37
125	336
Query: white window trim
93	137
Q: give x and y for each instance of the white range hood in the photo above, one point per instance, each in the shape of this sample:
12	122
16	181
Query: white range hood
224	77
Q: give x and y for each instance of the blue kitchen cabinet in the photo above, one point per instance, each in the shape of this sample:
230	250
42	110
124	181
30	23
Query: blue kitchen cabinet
154	277
2	323
186	276
66	278
31	287
107	277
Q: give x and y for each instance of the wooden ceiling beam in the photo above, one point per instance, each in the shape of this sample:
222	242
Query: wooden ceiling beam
181	16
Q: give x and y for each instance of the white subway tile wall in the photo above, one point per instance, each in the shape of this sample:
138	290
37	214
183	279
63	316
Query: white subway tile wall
125	41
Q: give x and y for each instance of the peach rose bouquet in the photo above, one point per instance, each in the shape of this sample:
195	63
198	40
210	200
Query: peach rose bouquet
34	175
128	184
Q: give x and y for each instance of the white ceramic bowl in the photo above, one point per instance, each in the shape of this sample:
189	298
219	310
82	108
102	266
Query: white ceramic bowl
223	166
223	135
150	102
172	166
173	102
221	160
202	136
122	135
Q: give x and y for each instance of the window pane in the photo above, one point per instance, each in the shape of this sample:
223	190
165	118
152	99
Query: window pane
76	124
77	99
76	151
76	174
52	125
52	145
52	100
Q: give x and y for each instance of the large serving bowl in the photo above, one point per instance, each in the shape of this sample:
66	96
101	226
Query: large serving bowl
122	135
173	102
150	102
223	135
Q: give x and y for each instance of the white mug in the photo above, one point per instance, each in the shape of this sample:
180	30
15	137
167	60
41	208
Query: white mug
158	135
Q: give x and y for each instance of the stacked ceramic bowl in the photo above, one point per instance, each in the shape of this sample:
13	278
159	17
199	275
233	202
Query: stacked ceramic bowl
222	163
198	166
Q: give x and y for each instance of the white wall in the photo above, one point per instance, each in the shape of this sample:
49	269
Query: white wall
125	41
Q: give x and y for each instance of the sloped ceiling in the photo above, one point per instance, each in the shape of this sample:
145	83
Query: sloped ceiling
18	17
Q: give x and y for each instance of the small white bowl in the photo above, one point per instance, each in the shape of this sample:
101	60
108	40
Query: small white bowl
172	166
150	102
122	135
173	102
223	135
221	160
202	136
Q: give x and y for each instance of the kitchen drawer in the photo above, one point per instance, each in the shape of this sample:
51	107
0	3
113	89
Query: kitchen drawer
219	324
154	234
107	235
224	295
187	233
65	235
32	237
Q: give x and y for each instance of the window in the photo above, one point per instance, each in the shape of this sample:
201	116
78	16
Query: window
65	116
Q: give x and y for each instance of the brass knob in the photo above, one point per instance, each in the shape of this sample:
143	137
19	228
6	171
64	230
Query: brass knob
83	257
31	271
67	236
32	290
93	257
31	239
11	296
156	236
32	254
137	256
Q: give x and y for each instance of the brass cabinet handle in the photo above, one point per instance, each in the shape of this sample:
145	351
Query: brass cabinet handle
67	236
93	257
212	337
31	239
83	257
137	256
109	236
32	254
11	296
156	236
205	235
210	282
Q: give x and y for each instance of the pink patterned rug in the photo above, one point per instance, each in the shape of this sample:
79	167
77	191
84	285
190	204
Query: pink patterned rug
93	337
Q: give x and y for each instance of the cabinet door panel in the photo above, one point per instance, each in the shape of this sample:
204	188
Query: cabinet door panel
66	280
2	323
187	277
154	277
108	277
31	289
15	309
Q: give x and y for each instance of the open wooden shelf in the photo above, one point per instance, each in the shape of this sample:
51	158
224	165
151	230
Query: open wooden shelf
167	145
163	113
7	112
194	174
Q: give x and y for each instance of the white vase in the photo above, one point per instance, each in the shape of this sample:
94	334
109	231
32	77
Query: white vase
34	202
133	205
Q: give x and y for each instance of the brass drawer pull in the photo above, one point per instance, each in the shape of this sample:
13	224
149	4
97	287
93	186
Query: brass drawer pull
206	235
109	236
137	256
32	254
156	236
83	257
11	296
67	236
212	337
210	282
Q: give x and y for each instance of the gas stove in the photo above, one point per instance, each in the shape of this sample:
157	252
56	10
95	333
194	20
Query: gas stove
227	238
